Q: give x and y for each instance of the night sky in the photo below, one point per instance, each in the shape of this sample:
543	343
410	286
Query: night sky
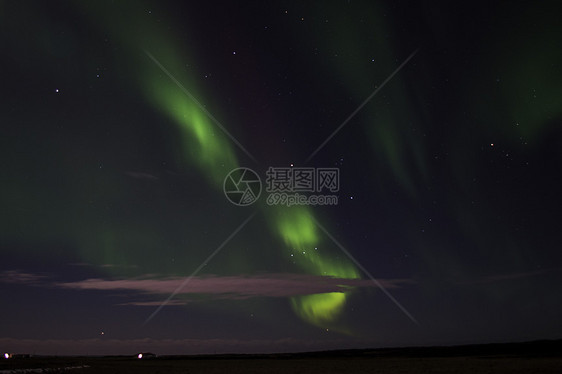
121	120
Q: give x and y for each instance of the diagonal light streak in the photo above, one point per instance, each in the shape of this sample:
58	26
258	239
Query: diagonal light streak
361	106
188	94
196	271
375	281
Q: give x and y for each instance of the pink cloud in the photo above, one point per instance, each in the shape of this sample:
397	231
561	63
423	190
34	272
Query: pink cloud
233	287
153	303
19	277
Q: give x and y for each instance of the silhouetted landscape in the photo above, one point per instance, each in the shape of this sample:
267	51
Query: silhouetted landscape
528	357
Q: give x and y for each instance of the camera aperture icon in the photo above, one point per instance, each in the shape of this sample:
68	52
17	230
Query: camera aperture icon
242	186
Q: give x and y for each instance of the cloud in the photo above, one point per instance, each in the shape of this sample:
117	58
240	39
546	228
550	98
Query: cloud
106	266
19	277
153	303
232	287
123	266
235	287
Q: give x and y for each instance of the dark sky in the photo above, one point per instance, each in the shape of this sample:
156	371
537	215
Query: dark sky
120	122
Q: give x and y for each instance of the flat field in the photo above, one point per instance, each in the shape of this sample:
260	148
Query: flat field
521	358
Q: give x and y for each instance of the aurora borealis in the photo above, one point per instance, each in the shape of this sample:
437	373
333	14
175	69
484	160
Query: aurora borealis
121	120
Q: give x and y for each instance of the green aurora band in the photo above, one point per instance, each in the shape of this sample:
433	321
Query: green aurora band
299	232
206	147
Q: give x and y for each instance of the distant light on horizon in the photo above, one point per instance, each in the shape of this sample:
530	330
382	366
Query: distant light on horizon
140	355
6	355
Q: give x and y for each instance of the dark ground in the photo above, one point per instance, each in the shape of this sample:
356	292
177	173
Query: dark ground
532	357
